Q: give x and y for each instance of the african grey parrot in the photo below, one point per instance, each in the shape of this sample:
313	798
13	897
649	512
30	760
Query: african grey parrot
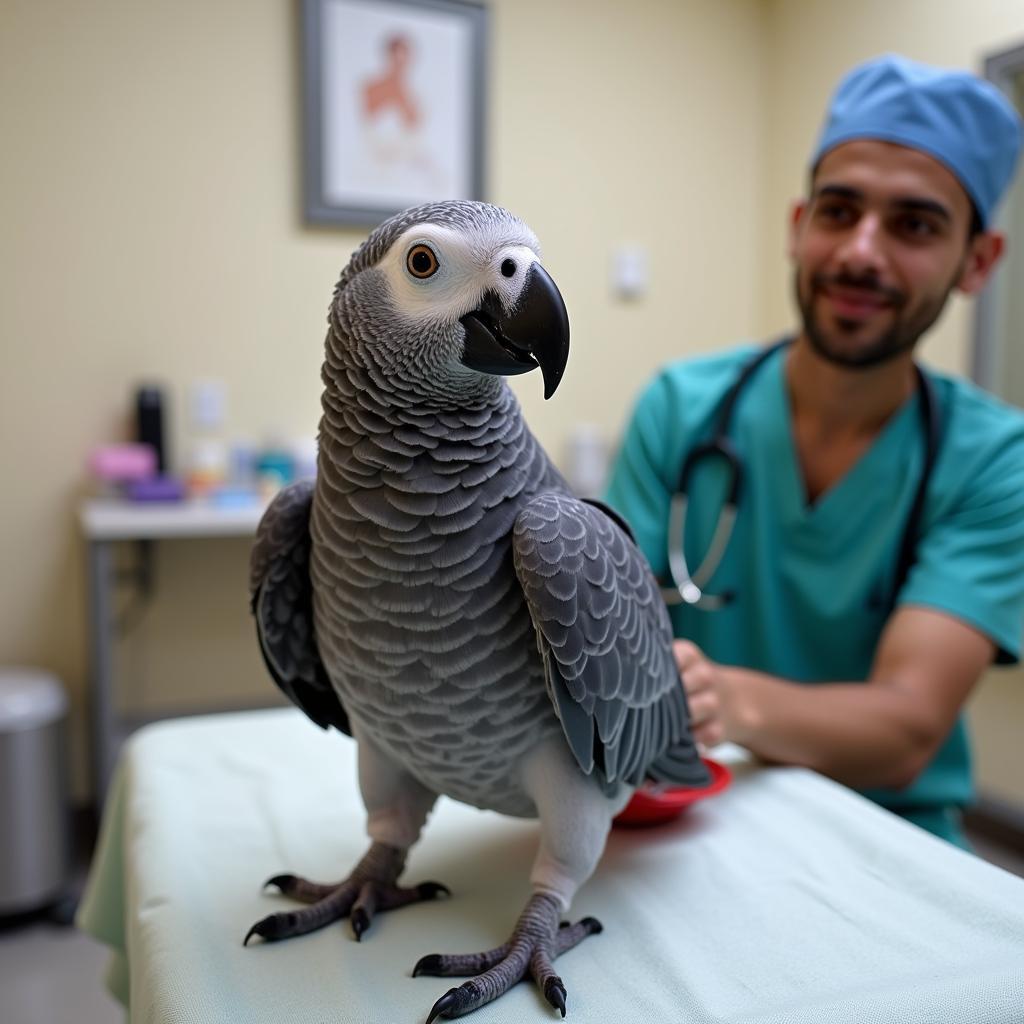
441	596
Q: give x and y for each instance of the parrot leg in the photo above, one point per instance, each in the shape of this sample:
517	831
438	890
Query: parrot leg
370	888
535	943
575	816
397	806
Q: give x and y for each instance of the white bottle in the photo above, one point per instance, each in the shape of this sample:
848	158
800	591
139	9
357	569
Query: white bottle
208	452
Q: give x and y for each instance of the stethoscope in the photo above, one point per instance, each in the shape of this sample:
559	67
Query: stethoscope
689	588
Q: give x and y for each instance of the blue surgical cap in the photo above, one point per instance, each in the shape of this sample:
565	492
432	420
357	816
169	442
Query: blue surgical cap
963	121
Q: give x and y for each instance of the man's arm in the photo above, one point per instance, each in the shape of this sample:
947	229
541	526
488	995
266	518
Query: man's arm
882	732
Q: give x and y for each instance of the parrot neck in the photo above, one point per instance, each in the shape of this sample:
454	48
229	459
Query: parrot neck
364	423
386	432
414	376
406	481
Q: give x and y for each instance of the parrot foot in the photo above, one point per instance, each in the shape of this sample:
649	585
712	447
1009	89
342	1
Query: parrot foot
537	940
370	888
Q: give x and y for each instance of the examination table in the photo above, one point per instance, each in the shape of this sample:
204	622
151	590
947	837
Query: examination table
786	899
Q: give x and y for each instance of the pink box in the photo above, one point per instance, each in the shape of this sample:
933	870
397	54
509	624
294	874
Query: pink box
119	462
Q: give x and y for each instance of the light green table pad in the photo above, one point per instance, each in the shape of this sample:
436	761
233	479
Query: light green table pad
786	899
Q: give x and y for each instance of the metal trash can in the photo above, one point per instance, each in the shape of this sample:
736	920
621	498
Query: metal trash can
34	833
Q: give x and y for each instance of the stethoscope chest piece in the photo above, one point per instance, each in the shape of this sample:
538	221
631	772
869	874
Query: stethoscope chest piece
688	588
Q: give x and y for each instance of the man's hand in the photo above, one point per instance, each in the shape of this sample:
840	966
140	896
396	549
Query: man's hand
879	732
718	708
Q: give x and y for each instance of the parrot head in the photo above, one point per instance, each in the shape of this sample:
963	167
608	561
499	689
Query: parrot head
444	296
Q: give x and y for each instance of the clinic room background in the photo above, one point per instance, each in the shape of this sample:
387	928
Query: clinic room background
153	231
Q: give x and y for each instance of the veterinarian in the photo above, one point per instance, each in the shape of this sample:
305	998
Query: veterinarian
840	533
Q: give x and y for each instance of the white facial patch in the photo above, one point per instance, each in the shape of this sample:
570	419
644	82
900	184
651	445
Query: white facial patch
469	263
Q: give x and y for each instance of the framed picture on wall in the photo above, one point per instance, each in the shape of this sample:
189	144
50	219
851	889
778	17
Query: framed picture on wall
393	106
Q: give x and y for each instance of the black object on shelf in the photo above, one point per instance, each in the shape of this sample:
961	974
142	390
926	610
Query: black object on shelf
149	419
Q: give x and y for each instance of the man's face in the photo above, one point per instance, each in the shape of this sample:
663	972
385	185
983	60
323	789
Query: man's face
877	248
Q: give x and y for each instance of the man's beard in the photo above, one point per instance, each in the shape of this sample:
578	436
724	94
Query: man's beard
902	335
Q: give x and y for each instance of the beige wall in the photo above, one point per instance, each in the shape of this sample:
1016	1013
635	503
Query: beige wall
151	229
811	43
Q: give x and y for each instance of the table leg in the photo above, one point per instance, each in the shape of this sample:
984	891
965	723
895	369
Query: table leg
101	663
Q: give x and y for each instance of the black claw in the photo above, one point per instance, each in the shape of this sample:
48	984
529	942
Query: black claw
448	1001
554	993
279	880
429	964
457	1001
360	922
431	890
267	928
593	925
272	928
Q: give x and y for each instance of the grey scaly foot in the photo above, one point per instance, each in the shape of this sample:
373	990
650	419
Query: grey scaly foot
536	941
370	888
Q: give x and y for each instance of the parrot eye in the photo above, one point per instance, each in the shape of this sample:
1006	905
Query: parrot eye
508	268
421	262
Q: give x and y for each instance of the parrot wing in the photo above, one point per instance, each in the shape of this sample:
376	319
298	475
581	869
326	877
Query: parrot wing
606	641
282	601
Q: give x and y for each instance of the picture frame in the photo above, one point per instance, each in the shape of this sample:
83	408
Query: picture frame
394	100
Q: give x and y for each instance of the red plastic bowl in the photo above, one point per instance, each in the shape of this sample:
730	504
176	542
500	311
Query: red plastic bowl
653	805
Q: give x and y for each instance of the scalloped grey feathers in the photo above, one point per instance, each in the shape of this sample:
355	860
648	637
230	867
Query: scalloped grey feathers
465	606
605	636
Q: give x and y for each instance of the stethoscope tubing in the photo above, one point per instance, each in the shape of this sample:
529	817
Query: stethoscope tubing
688	588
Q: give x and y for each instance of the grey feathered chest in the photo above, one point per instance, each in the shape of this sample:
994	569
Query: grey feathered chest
417	609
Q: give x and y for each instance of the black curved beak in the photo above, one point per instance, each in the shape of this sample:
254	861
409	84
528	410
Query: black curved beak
536	333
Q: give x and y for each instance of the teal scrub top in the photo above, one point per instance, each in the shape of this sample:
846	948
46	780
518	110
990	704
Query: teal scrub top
812	581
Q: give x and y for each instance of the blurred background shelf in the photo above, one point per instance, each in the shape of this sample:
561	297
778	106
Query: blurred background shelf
106	523
110	519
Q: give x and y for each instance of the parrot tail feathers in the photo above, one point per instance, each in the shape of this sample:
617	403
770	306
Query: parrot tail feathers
682	766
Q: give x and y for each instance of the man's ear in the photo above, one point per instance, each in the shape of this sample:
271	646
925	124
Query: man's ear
983	253
796	216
